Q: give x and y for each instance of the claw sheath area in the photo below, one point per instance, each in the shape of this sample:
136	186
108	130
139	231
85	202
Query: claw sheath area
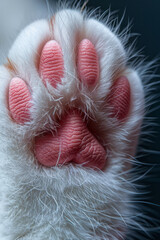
19	100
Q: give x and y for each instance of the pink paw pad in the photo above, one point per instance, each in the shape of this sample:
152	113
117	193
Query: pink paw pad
87	63
51	64
19	100
119	98
73	143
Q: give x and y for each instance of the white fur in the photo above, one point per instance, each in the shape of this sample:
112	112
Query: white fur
68	202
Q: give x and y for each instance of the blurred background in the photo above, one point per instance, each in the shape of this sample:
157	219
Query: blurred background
144	16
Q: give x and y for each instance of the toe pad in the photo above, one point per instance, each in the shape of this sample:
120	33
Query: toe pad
19	100
51	65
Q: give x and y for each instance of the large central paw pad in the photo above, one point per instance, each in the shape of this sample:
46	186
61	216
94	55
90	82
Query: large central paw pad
73	142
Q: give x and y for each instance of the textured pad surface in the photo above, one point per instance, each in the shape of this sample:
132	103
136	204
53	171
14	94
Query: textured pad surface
87	63
19	100
73	142
51	65
119	98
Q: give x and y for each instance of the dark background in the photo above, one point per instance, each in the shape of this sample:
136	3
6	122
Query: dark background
145	18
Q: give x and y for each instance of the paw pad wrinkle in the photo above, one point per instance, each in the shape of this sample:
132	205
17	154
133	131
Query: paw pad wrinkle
87	63
119	98
19	100
51	65
73	143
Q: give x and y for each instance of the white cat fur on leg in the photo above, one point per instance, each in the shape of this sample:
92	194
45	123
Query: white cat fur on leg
67	203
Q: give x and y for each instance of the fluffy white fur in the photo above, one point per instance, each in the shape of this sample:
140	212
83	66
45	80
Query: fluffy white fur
68	202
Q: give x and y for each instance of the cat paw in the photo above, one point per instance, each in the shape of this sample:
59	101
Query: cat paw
68	99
